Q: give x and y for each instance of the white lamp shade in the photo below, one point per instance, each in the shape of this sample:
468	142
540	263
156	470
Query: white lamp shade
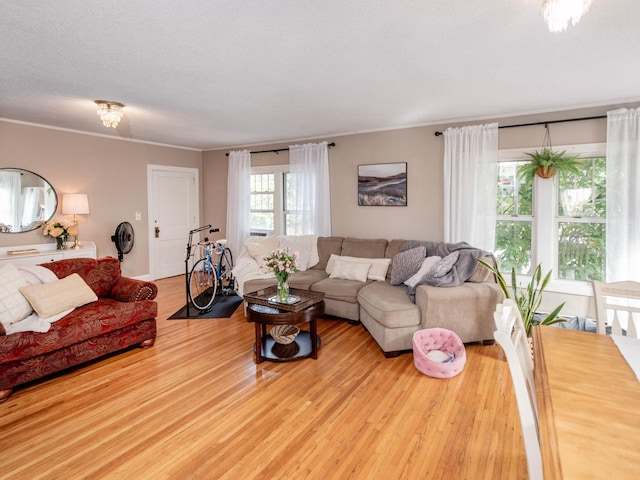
75	204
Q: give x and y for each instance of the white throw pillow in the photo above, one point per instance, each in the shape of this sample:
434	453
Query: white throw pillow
349	270
427	264
13	306
311	241
378	266
304	251
260	247
52	298
378	269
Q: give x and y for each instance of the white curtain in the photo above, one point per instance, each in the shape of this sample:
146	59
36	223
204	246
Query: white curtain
238	199
31	200
623	195
470	179
309	195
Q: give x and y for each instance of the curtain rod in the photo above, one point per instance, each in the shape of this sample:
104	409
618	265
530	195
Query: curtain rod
332	144
437	134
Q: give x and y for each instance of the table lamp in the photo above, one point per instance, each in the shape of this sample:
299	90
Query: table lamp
75	204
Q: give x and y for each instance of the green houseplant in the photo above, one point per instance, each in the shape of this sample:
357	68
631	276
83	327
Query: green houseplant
546	163
528	298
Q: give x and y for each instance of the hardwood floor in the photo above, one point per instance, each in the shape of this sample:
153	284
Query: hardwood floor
196	406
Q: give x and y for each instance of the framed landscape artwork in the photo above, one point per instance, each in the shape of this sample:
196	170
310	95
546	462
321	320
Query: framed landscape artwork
382	184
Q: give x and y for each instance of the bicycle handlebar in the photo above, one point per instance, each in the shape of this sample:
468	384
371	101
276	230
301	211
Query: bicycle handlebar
196	230
199	229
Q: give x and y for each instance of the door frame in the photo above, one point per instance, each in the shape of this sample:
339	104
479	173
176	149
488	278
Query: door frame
151	168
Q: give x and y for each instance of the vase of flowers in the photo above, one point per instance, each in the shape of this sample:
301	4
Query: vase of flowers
282	263
60	231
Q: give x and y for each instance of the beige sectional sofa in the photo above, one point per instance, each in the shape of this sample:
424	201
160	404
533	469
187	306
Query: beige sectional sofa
387	311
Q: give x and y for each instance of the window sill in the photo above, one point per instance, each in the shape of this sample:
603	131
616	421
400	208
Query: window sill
570	287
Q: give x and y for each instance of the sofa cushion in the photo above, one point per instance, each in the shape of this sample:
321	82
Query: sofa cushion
103	316
13	306
364	247
101	274
389	305
339	289
49	299
326	247
395	246
305	279
406	263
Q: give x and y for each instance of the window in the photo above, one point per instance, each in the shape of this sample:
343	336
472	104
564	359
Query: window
558	222
273	208
263	195
581	217
514	220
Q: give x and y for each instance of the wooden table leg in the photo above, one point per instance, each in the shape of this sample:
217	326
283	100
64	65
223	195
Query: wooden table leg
314	339
258	342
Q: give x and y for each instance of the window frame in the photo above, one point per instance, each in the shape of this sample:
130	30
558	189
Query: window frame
544	245
278	172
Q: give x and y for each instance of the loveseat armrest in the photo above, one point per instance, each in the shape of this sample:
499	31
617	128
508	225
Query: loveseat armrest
131	290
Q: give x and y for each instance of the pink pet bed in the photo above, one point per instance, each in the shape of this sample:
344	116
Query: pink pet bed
438	352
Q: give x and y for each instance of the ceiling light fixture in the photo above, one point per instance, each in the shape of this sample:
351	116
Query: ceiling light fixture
109	112
557	13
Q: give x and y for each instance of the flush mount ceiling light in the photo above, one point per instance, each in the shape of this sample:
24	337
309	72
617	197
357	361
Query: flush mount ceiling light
109	112
557	13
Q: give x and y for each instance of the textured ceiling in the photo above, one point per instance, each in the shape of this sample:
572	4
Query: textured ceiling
214	74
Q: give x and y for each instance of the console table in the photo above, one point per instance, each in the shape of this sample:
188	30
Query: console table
43	253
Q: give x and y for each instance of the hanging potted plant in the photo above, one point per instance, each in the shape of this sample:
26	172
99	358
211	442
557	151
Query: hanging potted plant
546	163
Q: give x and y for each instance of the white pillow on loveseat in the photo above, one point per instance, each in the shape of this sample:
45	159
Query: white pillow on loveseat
53	298
13	306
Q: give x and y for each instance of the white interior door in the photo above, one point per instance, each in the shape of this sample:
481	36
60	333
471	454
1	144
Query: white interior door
174	209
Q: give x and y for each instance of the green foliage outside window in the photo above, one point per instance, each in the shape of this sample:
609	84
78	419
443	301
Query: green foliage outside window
513	246
582	244
513	235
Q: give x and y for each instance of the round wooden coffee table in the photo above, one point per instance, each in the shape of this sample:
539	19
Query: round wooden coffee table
306	343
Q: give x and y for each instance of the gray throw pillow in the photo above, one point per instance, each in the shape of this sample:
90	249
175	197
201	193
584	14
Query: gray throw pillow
405	264
445	265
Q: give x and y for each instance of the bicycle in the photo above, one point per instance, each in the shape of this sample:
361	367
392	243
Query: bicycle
206	275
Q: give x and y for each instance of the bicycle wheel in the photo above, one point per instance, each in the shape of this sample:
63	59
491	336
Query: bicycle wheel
225	275
202	284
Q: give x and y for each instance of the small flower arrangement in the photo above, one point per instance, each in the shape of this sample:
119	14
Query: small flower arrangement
60	231
282	263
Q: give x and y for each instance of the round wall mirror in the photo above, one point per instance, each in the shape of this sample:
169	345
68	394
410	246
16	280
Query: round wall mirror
26	200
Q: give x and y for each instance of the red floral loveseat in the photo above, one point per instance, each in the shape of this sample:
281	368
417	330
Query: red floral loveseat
124	315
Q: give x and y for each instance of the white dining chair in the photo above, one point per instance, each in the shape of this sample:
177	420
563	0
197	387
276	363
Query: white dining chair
617	307
512	337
